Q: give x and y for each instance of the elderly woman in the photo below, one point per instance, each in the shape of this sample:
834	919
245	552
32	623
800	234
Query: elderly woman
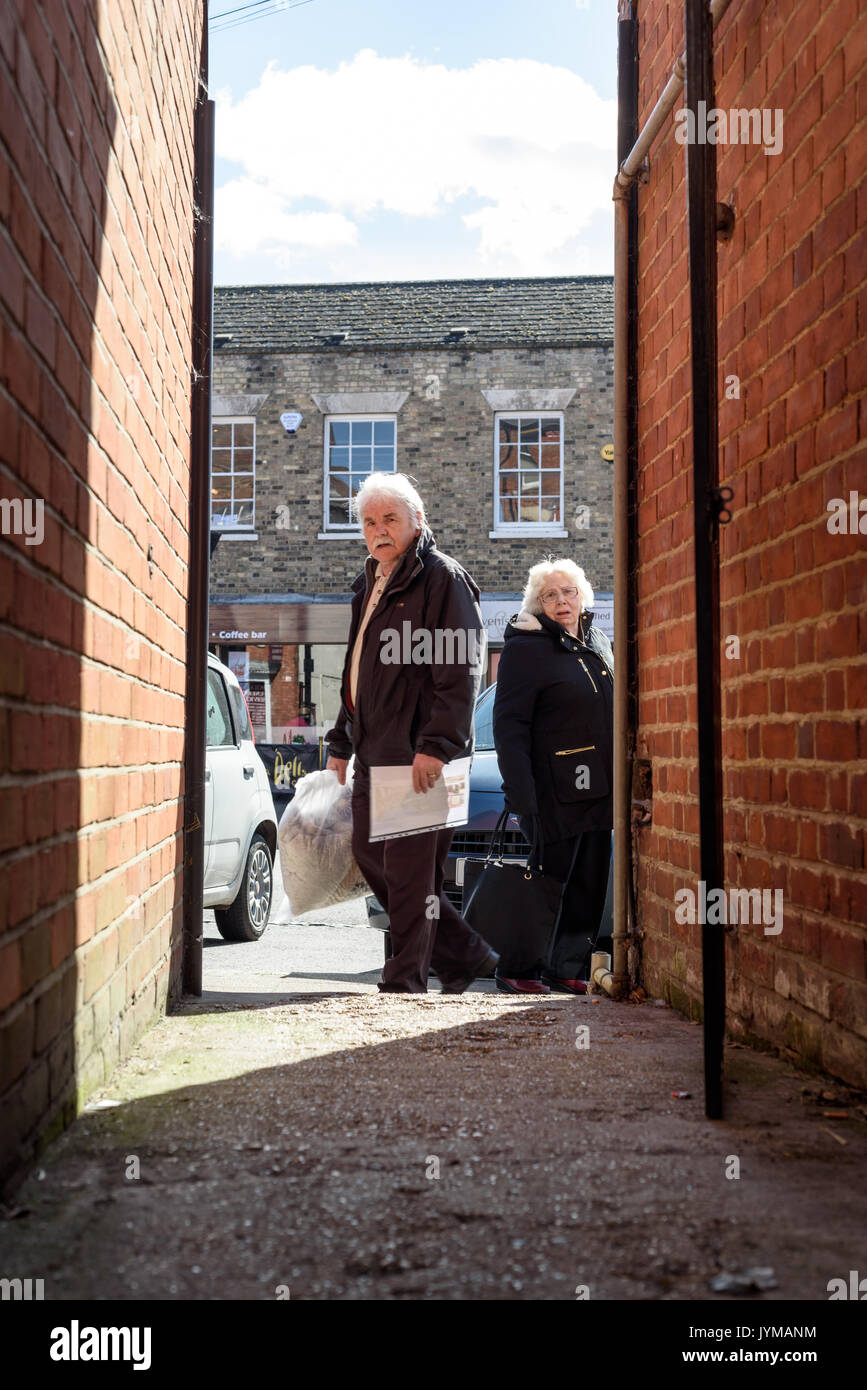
553	734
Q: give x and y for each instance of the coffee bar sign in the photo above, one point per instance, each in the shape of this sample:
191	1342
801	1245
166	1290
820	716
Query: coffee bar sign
280	623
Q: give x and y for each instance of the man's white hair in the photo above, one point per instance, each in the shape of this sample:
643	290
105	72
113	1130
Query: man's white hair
538	578
396	485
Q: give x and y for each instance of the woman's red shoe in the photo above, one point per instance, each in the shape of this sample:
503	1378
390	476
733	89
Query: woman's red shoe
509	984
567	986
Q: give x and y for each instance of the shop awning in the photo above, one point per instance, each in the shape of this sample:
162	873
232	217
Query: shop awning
289	621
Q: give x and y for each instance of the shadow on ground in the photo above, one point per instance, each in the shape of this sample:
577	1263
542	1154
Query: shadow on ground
352	1147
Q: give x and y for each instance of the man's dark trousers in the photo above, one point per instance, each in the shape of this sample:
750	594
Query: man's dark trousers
406	874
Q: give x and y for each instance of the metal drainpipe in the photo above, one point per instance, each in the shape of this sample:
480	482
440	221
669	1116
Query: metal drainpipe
707	501
625	208
199	524
624	731
631	165
622	788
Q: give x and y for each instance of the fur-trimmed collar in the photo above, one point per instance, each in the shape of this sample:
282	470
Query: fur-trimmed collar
525	621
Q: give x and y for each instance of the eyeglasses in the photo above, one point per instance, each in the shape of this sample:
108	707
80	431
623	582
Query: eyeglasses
550	594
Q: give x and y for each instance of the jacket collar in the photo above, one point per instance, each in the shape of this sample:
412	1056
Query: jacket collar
525	621
410	564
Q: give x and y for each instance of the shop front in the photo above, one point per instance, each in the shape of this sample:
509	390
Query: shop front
287	653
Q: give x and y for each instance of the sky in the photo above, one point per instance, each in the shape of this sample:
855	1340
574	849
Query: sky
394	140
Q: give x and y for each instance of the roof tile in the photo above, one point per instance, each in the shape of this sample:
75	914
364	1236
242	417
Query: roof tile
560	311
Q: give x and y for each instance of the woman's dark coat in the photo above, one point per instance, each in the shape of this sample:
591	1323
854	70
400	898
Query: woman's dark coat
553	724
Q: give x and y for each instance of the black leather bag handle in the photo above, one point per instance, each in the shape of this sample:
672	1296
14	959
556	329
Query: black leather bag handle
498	840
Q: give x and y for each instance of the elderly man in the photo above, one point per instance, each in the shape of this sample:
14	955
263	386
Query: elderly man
417	714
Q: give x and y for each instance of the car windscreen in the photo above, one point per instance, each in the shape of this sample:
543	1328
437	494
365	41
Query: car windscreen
242	718
483	720
220	733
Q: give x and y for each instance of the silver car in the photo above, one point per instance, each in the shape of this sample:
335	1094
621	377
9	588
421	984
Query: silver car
240	823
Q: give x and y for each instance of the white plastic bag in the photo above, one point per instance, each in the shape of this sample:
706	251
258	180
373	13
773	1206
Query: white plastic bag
315	843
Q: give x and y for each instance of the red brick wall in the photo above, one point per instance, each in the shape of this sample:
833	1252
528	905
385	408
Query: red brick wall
284	689
96	169
791	314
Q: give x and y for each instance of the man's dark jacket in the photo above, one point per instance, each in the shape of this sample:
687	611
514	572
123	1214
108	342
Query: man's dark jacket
553	718
404	708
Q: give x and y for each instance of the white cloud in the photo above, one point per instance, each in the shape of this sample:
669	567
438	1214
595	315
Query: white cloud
528	148
251	217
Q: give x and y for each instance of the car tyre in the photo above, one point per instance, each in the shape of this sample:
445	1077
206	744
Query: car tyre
247	917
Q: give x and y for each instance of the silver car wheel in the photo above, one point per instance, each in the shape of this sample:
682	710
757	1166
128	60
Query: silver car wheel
259	887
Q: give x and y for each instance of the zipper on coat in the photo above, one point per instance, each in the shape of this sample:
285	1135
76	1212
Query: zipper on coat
606	671
587	673
563	752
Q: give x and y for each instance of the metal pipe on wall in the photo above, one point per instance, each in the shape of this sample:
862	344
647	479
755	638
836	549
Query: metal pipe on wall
702	220
624	445
624	617
199	531
622	787
631	165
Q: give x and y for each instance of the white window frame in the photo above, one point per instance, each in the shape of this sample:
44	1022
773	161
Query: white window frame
527	528
353	530
232	530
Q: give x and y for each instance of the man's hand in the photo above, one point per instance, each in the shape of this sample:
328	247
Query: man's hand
425	772
338	765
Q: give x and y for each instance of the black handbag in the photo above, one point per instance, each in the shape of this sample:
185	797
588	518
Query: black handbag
513	906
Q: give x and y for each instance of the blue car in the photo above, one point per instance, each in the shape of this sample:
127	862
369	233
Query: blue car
474	838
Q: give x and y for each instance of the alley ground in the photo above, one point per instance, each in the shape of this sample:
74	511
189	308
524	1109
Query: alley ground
296	1134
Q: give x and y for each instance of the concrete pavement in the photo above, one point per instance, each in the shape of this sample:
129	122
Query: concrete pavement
295	1131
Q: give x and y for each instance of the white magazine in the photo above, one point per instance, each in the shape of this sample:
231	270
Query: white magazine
396	810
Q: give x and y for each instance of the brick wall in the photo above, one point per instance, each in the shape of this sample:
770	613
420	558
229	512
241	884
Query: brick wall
96	169
284	688
447	445
791	322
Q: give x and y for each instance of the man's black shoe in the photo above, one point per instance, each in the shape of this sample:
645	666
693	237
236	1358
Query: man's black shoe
456	984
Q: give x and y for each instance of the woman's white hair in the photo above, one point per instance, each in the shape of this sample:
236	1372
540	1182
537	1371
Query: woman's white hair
541	573
396	485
